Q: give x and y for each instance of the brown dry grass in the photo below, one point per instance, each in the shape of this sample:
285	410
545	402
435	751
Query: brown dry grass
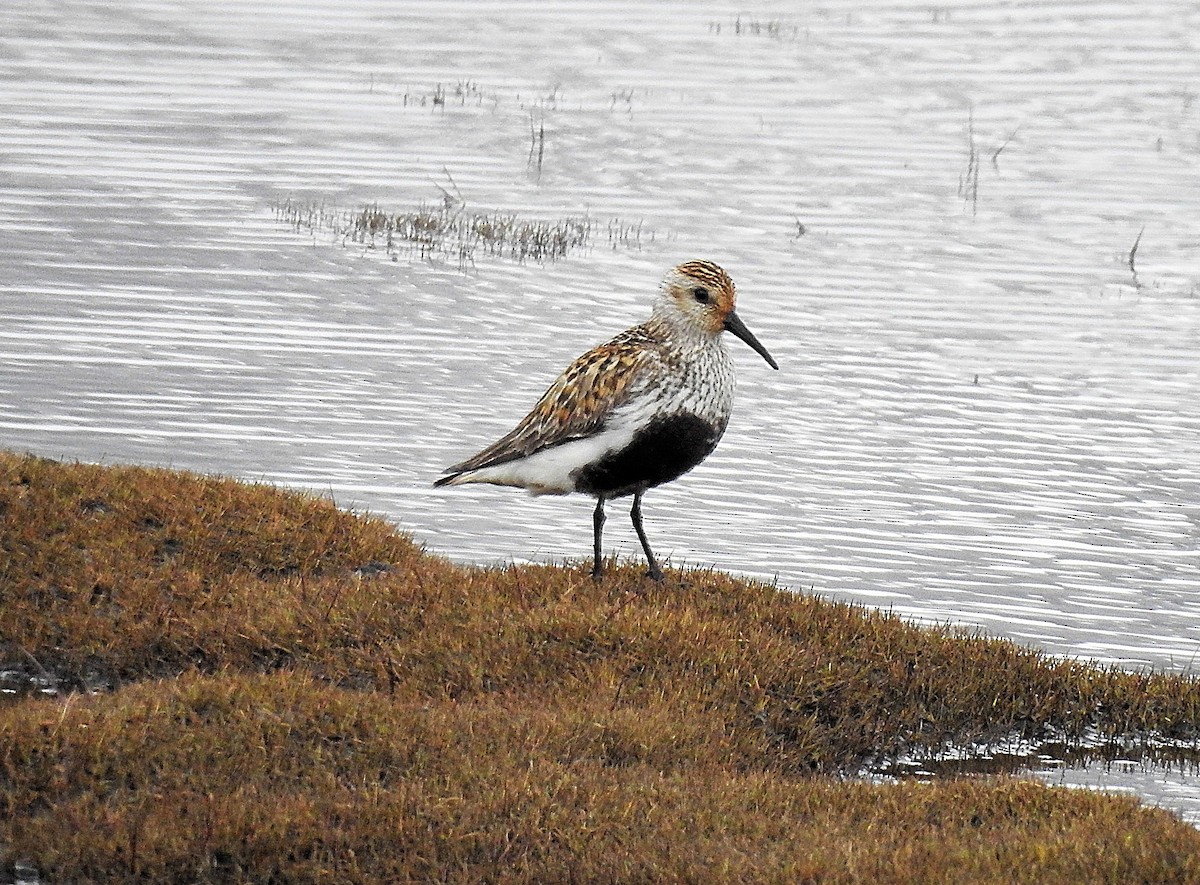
293	693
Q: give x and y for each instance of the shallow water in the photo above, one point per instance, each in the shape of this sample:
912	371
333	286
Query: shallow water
984	414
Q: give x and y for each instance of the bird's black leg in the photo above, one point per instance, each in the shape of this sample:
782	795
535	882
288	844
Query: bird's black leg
654	572
597	529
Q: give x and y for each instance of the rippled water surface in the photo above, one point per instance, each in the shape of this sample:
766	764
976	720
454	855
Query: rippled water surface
986	412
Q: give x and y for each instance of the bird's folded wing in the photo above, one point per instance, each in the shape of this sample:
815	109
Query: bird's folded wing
578	404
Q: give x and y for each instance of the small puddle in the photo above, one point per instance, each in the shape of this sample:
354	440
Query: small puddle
1141	765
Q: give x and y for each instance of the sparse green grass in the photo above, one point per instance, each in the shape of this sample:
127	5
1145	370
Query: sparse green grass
293	693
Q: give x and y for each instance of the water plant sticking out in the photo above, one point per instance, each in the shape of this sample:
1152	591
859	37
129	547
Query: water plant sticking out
442	96
449	230
1133	258
968	181
772	29
537	143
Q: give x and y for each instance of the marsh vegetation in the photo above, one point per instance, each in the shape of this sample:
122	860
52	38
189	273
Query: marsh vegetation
449	230
235	683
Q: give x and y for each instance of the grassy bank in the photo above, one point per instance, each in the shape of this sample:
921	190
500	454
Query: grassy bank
284	692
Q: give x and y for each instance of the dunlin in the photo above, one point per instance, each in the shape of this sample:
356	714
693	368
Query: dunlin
631	414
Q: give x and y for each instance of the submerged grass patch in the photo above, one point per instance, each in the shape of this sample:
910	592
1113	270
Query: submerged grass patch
283	691
449	230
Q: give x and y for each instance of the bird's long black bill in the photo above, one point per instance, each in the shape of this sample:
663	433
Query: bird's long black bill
734	324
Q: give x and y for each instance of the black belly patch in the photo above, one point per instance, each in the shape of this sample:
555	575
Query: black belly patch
664	449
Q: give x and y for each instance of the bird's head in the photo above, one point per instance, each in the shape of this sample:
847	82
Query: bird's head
700	296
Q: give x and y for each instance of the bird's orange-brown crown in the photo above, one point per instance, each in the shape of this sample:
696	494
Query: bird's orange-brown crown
700	293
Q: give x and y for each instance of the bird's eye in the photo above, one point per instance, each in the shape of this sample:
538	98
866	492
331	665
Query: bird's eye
700	294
